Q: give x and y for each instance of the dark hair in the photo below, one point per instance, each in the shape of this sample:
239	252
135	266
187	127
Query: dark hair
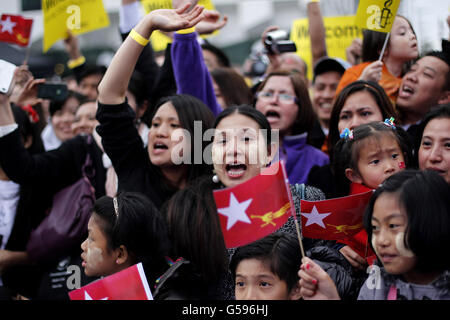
346	151
378	94
139	226
56	105
233	87
27	130
137	87
280	251
373	42
425	197
445	57
89	70
222	58
305	115
250	112
189	109
436	112
195	231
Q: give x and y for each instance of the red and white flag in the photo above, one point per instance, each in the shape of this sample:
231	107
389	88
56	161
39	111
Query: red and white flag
255	208
15	29
128	284
338	219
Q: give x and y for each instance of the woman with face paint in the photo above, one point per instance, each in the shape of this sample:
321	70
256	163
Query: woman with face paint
408	223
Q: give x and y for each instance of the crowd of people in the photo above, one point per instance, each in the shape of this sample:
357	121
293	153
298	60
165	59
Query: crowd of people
136	130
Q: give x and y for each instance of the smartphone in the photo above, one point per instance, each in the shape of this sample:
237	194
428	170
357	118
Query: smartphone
52	91
6	76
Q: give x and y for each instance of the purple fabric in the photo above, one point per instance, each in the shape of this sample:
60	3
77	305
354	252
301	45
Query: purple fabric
191	74
300	157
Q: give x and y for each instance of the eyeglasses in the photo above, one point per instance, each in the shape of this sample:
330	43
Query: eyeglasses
283	97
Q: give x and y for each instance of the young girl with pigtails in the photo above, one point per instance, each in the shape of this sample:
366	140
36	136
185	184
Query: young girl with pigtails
363	159
408	224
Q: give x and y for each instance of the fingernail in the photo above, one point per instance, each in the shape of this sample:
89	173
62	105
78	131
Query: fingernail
314	281
308	266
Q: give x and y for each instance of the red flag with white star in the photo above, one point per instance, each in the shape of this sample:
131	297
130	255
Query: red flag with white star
336	219
128	284
15	29
255	208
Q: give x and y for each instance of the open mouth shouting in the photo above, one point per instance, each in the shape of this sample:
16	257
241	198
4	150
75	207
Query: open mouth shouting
235	170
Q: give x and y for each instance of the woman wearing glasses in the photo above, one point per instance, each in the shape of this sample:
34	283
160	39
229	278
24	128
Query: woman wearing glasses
283	98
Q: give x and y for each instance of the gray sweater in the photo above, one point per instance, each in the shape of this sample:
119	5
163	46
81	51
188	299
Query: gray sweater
378	285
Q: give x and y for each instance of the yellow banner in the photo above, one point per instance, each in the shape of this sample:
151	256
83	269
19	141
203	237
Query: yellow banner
158	39
339	34
79	16
377	15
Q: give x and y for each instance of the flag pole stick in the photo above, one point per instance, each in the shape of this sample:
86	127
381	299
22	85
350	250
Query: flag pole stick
27	54
384	46
299	237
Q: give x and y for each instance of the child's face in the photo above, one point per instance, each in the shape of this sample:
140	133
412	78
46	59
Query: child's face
389	222
379	158
98	260
255	281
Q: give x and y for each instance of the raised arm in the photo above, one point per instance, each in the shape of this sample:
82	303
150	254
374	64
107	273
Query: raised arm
114	84
316	31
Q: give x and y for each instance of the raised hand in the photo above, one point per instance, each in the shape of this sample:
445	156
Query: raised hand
211	22
175	19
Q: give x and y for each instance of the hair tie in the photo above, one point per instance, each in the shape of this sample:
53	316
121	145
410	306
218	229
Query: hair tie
390	122
347	134
116	207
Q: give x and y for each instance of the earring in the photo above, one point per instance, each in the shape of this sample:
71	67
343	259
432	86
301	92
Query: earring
215	178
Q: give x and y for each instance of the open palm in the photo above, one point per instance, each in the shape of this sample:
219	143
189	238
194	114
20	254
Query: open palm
171	20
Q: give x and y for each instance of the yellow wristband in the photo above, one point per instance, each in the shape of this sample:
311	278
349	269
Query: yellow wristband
186	31
76	62
138	38
313	1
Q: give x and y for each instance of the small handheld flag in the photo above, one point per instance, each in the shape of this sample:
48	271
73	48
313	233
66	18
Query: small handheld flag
15	29
128	284
255	208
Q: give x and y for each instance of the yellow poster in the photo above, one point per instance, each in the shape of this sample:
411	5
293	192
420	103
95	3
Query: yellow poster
79	16
158	39
377	15
339	33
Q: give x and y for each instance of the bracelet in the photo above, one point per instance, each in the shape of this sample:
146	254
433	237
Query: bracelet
138	38
76	62
313	1
186	31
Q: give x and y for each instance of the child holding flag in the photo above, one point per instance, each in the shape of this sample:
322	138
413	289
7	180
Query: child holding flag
385	67
414	263
363	159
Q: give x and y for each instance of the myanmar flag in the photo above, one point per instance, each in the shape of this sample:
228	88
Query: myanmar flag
15	29
255	208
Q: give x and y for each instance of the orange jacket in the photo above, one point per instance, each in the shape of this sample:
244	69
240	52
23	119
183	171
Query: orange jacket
390	83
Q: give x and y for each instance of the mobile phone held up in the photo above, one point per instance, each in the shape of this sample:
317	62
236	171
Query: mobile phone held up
6	76
52	91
